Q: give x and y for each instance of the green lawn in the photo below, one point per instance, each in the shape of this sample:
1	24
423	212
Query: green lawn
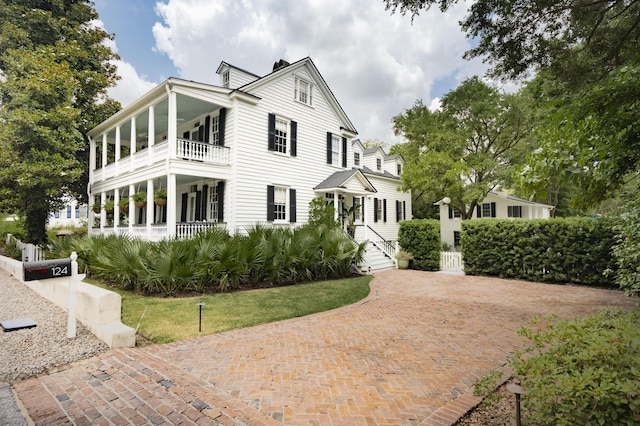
170	319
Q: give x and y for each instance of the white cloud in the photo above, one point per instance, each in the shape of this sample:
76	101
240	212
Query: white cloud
377	64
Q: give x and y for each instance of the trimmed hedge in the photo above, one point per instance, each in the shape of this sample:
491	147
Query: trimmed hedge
421	237
571	250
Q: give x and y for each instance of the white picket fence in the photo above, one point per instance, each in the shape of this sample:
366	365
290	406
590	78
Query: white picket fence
30	252
451	261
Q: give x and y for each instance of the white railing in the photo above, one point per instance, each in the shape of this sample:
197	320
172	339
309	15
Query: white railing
190	229
159	152
124	165
109	171
451	261
199	151
387	247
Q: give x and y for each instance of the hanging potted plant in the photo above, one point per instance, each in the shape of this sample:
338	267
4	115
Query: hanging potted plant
96	207
140	199
124	205
109	205
160	197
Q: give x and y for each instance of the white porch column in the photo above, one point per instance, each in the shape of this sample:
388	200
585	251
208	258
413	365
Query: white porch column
133	146
92	159
116	209
151	134
172	125
171	205
104	153
132	209
150	207
103	213
118	144
336	205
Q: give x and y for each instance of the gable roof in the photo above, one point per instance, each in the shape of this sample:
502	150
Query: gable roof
514	198
339	180
384	174
223	63
369	151
319	81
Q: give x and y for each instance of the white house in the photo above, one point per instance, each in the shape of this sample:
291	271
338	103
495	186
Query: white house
495	205
72	215
248	150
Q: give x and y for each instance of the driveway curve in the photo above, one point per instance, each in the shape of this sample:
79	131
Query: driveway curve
407	354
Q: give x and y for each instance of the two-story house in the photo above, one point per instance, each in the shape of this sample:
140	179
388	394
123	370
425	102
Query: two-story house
500	205
250	150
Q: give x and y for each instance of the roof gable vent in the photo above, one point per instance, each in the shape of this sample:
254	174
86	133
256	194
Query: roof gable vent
278	65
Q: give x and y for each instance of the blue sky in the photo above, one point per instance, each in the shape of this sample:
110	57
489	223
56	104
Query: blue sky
377	64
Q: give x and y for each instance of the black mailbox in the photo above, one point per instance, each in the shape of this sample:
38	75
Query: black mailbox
47	269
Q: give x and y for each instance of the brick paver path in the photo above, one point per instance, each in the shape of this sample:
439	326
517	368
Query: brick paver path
408	354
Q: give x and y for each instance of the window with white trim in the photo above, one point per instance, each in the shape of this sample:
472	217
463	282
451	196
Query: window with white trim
215	130
280	141
486	210
356	158
335	149
303	91
378	164
212	210
514	211
456	238
225	79
399	169
279	203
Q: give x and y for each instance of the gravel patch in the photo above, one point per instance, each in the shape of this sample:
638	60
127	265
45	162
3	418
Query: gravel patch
34	351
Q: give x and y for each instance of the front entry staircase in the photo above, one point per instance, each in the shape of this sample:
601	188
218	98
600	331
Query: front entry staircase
379	253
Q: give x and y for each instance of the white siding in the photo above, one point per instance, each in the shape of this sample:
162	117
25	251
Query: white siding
387	190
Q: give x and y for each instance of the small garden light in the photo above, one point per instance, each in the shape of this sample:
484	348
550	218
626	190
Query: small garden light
200	303
517	390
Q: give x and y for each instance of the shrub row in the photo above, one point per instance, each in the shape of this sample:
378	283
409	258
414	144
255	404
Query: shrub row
216	260
421	237
572	250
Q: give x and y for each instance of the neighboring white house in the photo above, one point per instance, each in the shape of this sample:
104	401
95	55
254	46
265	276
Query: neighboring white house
496	205
71	215
249	150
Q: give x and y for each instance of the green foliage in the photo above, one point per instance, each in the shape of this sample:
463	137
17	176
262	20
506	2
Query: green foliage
56	71
584	371
486	386
467	148
572	250
216	260
627	248
321	212
422	239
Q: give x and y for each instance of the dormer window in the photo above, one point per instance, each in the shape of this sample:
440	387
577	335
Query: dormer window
378	164
302	91
225	79
356	158
399	169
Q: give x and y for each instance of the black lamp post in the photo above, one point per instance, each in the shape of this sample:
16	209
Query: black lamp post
200	303
517	390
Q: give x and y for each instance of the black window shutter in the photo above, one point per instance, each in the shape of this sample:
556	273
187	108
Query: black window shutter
493	209
221	201
292	206
205	201
222	120
398	211
198	214
207	129
478	211
270	199
164	214
450	213
272	132
183	209
344	152
186	135
375	209
384	210
294	138
328	147
404	210
362	203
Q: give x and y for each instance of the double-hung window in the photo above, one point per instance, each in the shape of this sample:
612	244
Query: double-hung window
225	79
303	91
282	135
213	204
514	211
356	158
378	164
336	150
215	130
281	204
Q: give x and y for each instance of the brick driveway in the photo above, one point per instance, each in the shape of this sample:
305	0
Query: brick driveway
408	354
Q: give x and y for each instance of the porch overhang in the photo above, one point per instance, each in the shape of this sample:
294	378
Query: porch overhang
347	182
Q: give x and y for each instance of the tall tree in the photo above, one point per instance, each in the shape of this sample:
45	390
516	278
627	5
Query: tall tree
56	70
466	149
588	48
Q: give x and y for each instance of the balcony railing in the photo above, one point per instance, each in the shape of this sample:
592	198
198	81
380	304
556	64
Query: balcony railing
185	149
